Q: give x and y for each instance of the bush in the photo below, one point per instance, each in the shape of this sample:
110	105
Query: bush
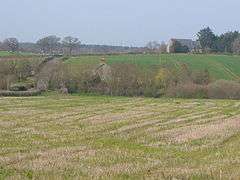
119	79
52	76
80	78
188	90
20	93
171	76
181	82
19	87
163	78
128	80
13	71
223	89
57	76
201	77
6	81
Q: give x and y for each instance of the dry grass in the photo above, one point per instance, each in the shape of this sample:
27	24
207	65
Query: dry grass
89	137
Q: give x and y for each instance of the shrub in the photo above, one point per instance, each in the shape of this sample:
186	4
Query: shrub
3	84
19	87
6	81
148	85
13	71
122	80
223	89
163	78
20	93
181	82
184	74
51	76
57	76
80	78
188	90
127	80
171	76
201	77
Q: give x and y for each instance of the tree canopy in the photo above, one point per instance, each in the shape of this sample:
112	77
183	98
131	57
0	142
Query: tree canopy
49	44
70	43
214	43
11	44
207	39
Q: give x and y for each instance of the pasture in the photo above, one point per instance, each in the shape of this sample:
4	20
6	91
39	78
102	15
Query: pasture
4	54
84	137
220	66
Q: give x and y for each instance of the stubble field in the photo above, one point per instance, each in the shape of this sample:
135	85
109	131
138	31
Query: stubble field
61	137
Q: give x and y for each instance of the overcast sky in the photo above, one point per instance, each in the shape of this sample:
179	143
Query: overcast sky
116	22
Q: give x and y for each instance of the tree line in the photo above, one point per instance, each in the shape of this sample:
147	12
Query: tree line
228	42
48	45
208	41
67	46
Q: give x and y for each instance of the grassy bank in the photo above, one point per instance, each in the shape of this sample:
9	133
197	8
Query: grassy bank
220	66
14	54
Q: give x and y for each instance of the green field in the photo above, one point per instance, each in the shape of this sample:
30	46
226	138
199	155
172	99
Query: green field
14	54
87	137
220	66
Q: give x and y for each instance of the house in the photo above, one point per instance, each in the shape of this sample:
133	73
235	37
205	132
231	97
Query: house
192	45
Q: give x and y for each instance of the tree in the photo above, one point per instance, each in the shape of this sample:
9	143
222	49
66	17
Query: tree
236	46
11	44
163	48
207	39
152	46
70	43
225	41
49	44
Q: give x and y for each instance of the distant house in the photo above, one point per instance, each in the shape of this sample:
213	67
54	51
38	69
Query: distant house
192	45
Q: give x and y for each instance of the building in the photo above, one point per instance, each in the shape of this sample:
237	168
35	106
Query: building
192	45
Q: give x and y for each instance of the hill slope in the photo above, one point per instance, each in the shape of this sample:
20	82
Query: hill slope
220	66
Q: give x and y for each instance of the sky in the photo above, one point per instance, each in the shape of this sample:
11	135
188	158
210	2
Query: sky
116	22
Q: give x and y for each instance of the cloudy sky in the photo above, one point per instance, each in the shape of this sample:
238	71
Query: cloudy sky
116	22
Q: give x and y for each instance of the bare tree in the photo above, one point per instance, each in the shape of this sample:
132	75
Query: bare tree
49	44
153	46
70	43
1	46
11	44
163	48
236	46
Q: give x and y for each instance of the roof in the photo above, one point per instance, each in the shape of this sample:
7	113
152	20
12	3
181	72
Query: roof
186	42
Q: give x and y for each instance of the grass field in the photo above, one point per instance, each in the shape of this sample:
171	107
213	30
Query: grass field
61	137
14	54
220	66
